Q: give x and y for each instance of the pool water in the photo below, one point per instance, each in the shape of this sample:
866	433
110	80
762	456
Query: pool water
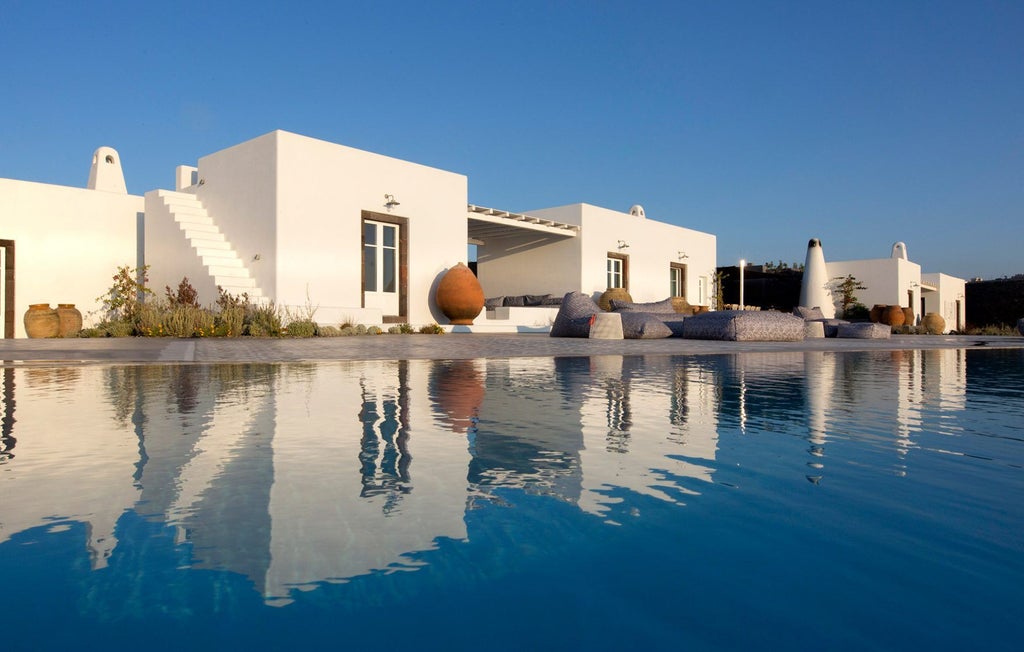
838	501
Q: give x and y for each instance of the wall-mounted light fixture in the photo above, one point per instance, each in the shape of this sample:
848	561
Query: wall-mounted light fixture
681	255
390	201
623	245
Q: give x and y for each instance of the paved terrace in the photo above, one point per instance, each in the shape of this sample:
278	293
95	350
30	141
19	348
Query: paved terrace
451	346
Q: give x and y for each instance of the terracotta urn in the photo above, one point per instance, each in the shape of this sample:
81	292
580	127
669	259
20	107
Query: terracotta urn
876	313
908	316
41	321
459	295
682	306
619	294
70	319
893	316
934	323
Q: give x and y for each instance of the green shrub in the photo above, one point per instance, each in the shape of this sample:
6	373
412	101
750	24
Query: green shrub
302	328
264	320
92	332
360	329
374	330
189	321
347	330
118	328
857	311
230	321
328	331
124	297
151	317
432	329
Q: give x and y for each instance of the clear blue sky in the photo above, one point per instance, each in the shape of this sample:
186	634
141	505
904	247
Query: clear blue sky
859	122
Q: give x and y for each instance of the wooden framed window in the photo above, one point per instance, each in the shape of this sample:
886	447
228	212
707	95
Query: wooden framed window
617	267
677	280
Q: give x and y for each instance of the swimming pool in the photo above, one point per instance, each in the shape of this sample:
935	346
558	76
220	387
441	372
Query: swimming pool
866	500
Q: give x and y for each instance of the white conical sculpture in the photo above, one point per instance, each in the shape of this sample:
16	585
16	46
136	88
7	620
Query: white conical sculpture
899	250
814	291
106	173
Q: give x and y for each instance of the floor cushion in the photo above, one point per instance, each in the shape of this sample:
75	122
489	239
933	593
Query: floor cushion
744	326
658	307
643	326
865	331
573	318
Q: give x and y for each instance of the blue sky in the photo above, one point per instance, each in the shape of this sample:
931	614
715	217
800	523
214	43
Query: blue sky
766	123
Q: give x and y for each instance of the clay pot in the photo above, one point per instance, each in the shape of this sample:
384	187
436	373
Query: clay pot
70	319
893	316
682	306
908	316
41	321
876	313
459	295
934	323
619	294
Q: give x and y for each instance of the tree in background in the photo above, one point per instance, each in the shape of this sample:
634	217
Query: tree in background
846	287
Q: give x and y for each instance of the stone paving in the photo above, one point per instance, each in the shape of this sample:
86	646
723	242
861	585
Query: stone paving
435	347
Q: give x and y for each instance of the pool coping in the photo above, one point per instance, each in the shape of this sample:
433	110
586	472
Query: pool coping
452	346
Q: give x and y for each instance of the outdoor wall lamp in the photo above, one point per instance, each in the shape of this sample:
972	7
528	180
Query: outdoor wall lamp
623	245
390	201
682	255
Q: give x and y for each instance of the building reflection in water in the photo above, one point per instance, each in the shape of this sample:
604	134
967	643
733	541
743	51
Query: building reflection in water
298	474
7	440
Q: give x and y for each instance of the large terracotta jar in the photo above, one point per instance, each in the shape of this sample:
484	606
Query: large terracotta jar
41	321
876	313
908	316
934	323
70	319
619	294
893	316
459	295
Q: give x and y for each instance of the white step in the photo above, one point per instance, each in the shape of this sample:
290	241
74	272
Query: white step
237	285
204	236
223	257
209	243
210	248
198	227
230	272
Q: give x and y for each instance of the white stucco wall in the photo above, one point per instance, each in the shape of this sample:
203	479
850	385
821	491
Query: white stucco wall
580	263
887	280
529	262
239	190
948	299
323	189
68	243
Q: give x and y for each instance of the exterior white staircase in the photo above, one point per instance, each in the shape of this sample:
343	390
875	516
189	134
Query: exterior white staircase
216	253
